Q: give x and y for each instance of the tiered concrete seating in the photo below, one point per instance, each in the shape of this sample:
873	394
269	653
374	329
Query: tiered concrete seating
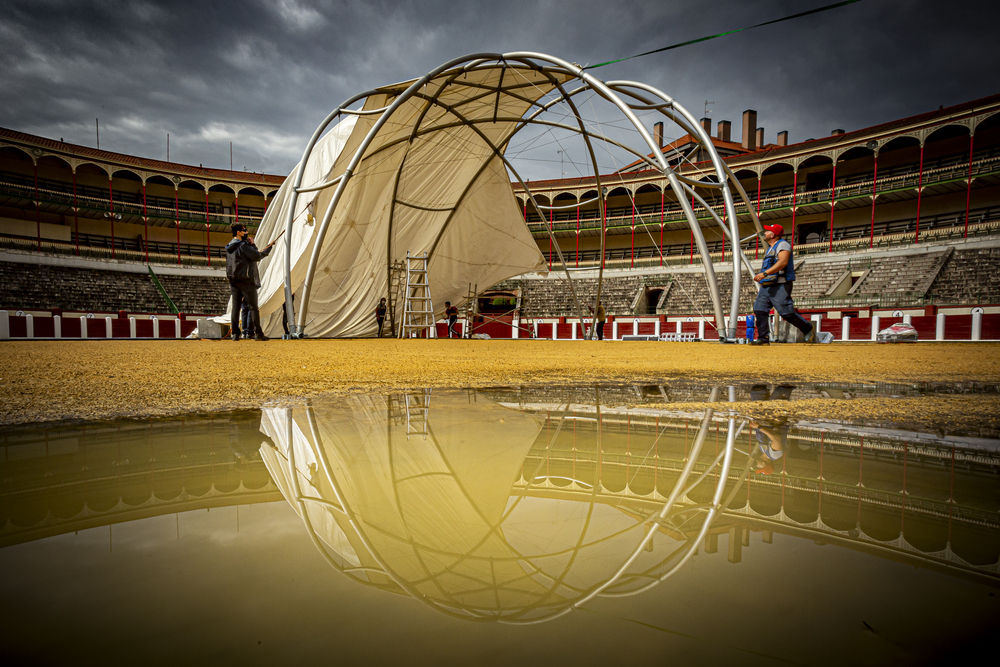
551	298
197	294
689	294
813	279
909	274
969	276
85	290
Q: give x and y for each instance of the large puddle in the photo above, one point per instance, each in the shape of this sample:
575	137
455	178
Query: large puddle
538	525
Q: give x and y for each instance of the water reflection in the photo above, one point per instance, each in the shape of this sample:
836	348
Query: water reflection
519	505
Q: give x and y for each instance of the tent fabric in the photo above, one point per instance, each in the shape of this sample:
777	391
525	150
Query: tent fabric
428	182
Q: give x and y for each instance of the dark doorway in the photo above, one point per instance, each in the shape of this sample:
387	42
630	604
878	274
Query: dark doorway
652	299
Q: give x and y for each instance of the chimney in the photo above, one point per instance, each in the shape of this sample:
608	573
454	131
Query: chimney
706	123
760	137
658	134
750	130
724	131
836	132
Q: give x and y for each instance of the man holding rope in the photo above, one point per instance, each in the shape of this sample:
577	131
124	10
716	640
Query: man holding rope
776	278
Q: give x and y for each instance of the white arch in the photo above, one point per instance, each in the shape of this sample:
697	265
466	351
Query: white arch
554	75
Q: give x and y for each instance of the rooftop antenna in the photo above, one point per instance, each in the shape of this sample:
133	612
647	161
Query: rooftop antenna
97	125
230	156
168	147
562	172
708	111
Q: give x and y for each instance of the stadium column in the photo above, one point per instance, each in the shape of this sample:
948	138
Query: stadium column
968	187
920	190
551	214
833	200
756	249
662	202
177	223
691	260
111	204
871	238
38	212
145	222
578	232
795	198
76	214
631	249
208	236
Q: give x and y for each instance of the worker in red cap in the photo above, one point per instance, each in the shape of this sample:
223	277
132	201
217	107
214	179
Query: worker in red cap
776	278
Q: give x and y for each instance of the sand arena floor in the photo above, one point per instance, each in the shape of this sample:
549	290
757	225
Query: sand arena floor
47	381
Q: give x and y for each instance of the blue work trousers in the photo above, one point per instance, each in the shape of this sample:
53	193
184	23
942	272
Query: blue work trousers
778	297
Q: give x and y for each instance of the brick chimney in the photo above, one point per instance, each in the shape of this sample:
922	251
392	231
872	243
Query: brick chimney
750	130
658	134
706	124
836	132
783	138
760	137
724	131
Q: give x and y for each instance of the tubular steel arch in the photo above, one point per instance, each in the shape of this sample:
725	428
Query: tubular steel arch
626	97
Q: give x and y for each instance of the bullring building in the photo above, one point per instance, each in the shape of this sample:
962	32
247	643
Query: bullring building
896	221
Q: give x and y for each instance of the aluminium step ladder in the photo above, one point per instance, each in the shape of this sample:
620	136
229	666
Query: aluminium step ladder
418	308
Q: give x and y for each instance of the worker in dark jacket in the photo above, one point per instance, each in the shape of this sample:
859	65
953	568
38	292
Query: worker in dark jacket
241	260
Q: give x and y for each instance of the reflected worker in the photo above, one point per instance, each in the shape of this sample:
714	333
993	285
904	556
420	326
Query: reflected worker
776	279
241	259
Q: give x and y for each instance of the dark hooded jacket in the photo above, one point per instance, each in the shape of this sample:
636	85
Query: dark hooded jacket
242	258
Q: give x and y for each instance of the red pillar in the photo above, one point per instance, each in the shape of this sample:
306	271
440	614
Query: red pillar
604	230
691	261
550	239
578	233
236	205
111	203
76	215
177	223
920	191
662	195
38	212
208	234
968	188
631	250
756	249
145	222
871	239
795	197
833	200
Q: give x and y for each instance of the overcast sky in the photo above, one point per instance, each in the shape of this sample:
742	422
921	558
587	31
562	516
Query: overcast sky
263	73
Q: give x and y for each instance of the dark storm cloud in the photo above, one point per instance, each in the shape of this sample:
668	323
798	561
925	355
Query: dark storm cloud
262	74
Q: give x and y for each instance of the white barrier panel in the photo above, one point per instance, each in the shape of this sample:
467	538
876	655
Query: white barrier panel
131	327
845	329
4	325
177	328
701	329
875	322
30	324
57	326
156	327
535	326
635	327
679	326
83	326
555	331
107	327
515	328
908	319
939	329
977	326
656	328
614	330
573	337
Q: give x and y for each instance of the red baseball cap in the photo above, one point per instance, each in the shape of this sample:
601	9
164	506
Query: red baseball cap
777	230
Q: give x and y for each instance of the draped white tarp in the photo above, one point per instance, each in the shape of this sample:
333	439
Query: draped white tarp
430	181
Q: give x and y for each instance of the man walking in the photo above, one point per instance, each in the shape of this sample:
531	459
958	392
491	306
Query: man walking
241	259
451	312
776	279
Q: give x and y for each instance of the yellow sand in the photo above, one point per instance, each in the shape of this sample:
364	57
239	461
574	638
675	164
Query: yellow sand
45	381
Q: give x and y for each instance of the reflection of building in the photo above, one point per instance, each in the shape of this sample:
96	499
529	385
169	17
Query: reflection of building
519	514
68	478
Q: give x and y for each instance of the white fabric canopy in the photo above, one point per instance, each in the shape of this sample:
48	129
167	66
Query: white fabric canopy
430	181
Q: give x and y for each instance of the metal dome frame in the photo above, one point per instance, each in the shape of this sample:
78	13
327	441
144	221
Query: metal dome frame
627	96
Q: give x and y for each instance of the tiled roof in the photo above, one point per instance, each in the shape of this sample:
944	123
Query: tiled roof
145	164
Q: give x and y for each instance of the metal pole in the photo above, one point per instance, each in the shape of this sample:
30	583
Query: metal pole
208	238
38	211
631	250
76	214
578	233
795	192
833	201
968	189
871	238
713	285
662	201
920	191
145	222
756	250
111	203
177	224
